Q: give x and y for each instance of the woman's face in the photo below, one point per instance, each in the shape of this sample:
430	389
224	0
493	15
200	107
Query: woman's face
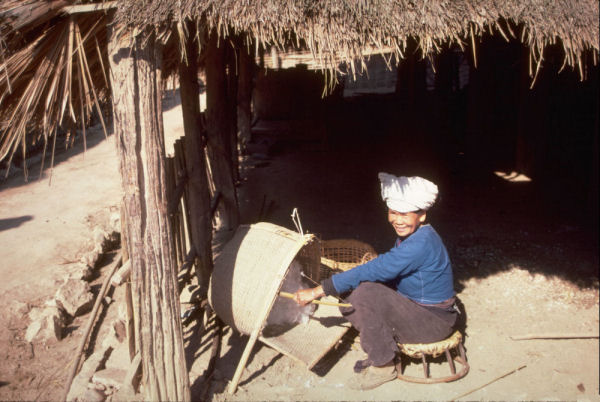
405	223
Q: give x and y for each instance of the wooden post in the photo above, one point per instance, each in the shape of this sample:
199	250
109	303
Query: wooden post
218	134
244	97
135	79
593	183
522	164
183	216
172	193
232	68
474	113
444	71
410	77
404	77
198	194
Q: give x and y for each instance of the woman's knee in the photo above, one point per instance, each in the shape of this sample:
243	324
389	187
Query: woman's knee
367	295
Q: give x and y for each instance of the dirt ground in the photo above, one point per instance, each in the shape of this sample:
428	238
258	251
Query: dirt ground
523	265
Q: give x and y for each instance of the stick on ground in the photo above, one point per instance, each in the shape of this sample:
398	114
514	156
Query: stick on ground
553	336
116	264
490	382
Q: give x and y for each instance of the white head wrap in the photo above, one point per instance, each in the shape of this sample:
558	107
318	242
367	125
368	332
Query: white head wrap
407	194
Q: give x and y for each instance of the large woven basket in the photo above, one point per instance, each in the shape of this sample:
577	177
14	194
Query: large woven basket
344	254
247	277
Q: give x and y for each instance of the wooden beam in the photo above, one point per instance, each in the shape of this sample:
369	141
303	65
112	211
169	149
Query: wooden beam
88	8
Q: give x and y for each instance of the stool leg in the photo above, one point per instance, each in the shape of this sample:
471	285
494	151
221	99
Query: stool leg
425	365
399	364
461	349
450	361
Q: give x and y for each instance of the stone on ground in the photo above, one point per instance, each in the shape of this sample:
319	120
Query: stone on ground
79	386
93	395
17	308
91	258
75	297
110	378
78	270
47	323
99	236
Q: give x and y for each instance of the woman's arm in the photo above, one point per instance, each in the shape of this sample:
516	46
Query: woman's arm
305	296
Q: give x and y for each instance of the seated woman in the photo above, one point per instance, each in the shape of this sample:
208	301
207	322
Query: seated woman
405	295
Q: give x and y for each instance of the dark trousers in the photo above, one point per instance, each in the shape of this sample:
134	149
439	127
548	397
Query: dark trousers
384	318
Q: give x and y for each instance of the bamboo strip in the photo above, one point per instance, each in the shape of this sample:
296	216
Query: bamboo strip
86	69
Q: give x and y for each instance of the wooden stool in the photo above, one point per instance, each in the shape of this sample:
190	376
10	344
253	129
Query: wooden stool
421	350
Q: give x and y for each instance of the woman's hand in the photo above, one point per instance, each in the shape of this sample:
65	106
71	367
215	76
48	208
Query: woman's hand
305	296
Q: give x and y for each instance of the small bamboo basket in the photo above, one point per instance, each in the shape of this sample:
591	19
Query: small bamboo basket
343	254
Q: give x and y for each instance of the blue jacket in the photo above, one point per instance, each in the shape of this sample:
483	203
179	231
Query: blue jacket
419	268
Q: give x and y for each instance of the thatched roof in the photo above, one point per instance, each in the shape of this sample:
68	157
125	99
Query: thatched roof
45	79
337	30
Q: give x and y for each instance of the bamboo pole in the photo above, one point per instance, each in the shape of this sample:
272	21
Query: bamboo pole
325	303
243	360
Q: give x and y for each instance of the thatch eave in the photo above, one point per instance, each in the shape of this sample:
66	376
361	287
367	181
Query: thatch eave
335	31
336	27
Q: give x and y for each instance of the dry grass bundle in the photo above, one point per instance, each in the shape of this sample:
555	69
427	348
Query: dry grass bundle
52	81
